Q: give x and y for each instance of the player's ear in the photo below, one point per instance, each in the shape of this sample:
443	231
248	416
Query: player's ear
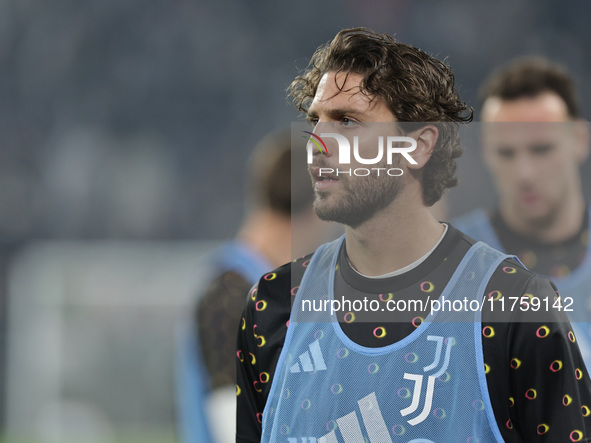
426	137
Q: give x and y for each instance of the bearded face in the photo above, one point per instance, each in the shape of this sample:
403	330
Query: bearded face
350	199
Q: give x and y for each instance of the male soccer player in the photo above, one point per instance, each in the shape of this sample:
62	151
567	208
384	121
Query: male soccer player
206	379
533	145
409	375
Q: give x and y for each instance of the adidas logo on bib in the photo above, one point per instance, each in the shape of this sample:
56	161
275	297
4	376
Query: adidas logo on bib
310	361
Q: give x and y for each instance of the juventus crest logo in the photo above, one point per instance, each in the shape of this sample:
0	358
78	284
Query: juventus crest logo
434	370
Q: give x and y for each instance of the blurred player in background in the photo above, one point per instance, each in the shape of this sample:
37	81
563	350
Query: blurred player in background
534	144
264	241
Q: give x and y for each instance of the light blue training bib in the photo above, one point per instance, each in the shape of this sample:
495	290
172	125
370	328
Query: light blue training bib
428	387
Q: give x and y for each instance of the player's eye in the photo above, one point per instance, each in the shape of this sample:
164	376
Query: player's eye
348	123
506	152
541	149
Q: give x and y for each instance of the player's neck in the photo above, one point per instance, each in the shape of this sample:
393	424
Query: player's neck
396	237
269	234
562	225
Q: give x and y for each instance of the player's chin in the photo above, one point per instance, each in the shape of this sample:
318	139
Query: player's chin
539	217
322	204
325	208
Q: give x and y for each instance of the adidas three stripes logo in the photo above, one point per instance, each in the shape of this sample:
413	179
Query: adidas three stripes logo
310	361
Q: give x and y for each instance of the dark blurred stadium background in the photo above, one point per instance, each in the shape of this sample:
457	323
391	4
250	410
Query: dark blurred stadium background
125	126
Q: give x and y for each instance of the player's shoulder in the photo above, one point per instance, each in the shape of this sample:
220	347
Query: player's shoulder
268	305
227	288
512	277
281	280
227	280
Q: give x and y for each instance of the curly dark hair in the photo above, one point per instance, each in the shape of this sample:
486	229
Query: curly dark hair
415	86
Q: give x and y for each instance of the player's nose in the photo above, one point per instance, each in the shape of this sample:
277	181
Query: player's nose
524	168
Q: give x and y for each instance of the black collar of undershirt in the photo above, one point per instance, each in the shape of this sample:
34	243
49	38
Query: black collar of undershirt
398	282
507	236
